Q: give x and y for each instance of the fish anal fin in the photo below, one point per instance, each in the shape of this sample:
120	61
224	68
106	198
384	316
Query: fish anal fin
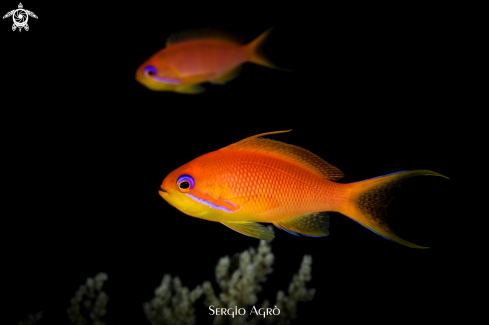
311	224
252	229
228	76
203	34
288	152
290	232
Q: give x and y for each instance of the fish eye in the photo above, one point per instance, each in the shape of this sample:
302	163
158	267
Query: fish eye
185	183
150	70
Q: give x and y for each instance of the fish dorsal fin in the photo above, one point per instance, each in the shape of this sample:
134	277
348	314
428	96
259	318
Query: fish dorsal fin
311	224
203	34
296	154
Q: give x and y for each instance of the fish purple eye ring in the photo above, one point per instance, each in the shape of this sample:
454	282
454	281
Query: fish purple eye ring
150	70
182	183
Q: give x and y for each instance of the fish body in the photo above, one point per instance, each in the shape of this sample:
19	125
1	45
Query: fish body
197	56
258	180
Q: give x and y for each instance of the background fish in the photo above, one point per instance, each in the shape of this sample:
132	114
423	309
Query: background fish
195	56
262	180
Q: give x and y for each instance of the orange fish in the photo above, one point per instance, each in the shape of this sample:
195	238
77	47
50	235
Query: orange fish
196	56
258	180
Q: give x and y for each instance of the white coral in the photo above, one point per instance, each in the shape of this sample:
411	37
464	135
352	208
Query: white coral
93	300
239	284
297	292
238	279
172	304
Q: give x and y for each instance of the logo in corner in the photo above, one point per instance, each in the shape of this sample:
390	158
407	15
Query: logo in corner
20	17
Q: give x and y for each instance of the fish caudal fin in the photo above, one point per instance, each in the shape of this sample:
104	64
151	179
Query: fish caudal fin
256	53
369	199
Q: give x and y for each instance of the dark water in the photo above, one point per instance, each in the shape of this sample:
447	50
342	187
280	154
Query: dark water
85	148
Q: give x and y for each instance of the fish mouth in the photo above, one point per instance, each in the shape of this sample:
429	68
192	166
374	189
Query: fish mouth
163	193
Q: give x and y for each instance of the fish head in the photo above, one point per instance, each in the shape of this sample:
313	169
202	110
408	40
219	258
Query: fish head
156	74
191	189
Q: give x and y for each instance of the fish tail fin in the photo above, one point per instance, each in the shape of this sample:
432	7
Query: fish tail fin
369	199
256	53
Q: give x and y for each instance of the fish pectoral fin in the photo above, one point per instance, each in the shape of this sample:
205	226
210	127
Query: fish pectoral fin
252	229
311	224
190	89
227	76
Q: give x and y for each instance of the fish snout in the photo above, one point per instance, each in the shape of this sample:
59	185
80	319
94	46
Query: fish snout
164	194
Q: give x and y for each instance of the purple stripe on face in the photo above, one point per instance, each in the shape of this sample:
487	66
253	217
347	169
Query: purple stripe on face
151	72
209	204
166	80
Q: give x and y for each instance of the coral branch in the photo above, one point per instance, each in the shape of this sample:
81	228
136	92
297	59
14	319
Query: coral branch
172	304
91	300
239	280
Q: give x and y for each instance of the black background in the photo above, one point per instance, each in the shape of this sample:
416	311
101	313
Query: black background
85	148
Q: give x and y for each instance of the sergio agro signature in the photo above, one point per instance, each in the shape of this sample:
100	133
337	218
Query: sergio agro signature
20	17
